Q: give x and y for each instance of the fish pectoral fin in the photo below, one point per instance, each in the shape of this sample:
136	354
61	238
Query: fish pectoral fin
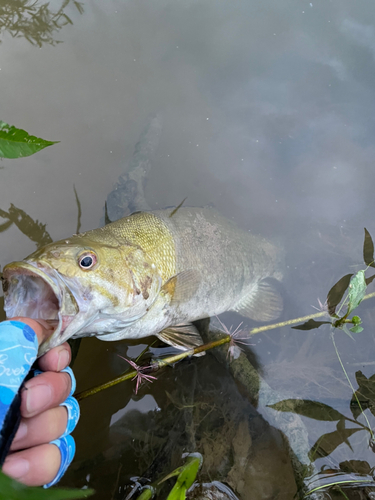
182	286
263	303
182	337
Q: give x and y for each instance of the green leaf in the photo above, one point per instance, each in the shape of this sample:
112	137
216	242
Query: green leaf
356	329
336	293
311	324
17	143
368	250
327	443
187	475
357	290
307	408
12	490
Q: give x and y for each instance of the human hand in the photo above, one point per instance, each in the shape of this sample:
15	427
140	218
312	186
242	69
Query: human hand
32	459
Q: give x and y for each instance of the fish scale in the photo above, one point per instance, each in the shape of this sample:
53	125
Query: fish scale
150	273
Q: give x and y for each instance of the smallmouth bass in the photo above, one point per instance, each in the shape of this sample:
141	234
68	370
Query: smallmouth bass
147	274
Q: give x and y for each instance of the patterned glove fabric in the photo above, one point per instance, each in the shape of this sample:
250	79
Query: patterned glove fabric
18	351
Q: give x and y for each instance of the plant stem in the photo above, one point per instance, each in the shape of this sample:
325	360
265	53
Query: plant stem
351	386
158	364
265	328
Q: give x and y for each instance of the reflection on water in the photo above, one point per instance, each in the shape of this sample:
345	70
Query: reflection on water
34	230
200	409
148	404
35	21
267	114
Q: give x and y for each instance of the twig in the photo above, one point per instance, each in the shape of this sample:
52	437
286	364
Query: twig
161	363
265	328
156	365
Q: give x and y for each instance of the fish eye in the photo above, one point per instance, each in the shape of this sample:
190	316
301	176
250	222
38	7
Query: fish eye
87	260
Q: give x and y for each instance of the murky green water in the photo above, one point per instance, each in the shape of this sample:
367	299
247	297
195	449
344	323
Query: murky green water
267	114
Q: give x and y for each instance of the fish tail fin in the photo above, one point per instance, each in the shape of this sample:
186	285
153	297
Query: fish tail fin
264	302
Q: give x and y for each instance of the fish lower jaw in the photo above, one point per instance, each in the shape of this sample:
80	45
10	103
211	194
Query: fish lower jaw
31	292
58	336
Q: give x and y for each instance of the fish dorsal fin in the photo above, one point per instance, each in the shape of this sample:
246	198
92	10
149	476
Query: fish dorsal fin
263	303
182	286
183	337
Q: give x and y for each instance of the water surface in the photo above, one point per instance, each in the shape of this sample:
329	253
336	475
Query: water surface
267	112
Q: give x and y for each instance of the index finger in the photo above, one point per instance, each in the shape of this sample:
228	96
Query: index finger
56	359
41	328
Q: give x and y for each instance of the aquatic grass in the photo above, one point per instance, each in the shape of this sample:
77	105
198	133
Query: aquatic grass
186	475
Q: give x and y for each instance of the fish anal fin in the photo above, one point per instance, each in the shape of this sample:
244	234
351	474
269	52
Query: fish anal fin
182	286
263	303
183	337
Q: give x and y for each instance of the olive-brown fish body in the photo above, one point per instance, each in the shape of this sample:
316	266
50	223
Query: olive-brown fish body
148	273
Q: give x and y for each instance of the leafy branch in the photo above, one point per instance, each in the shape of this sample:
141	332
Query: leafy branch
346	295
155	366
342	299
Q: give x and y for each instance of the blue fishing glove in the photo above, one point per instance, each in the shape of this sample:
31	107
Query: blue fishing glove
18	351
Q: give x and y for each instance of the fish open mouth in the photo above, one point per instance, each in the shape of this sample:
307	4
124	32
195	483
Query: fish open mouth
36	291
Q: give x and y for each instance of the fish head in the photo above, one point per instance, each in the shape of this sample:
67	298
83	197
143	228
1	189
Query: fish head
82	287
